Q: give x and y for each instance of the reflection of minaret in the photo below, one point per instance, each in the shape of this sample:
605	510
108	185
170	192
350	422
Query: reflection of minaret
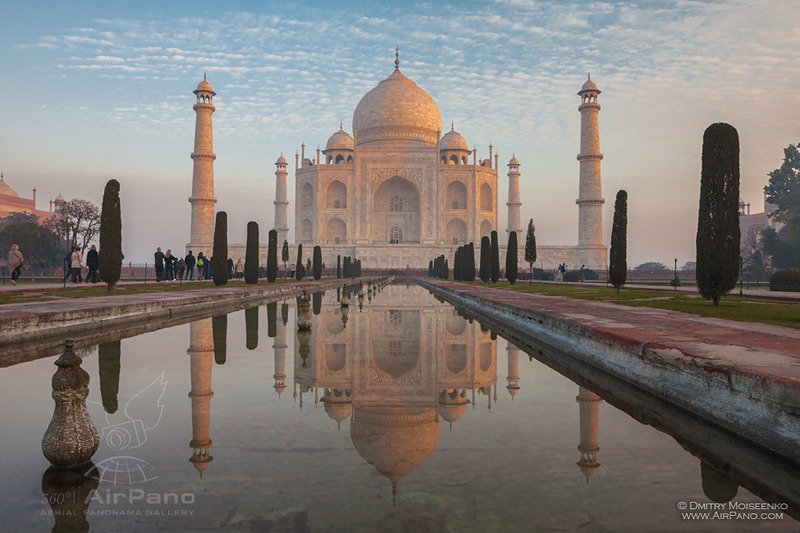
201	353
589	403
513	370
280	356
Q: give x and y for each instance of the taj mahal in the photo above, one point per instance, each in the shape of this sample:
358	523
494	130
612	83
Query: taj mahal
397	192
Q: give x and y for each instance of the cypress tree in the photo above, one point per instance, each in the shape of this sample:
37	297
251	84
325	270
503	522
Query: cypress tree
111	235
445	269
469	274
338	267
251	327
220	264
456	273
358	268
298	272
285	254
272	256
251	254
718	219
511	258
317	268
495	258
430	269
530	247
618	255
219	332
486	263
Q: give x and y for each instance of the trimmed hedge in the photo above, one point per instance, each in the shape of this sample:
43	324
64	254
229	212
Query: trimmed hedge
785	280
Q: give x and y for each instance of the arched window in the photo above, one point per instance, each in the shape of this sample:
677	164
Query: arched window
396	204
339	159
487	200
396	235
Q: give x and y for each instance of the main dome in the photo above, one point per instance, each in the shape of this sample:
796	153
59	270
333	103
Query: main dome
397	110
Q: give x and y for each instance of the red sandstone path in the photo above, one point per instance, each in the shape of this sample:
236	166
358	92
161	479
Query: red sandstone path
771	353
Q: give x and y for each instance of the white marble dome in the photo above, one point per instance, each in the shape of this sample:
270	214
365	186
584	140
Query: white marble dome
340	140
453	140
397	110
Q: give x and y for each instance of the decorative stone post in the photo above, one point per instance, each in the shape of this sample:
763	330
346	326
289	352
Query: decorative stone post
304	318
71	438
345	300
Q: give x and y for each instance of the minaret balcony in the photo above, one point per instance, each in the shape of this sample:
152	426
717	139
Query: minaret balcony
581	157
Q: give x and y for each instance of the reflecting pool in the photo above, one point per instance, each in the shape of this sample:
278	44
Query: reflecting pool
393	414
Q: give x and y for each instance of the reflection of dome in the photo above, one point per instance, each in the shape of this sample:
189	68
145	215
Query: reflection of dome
395	440
453	140
340	140
395	364
6	189
451	413
338	411
397	110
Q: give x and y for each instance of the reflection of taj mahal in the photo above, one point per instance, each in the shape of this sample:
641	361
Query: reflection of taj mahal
397	192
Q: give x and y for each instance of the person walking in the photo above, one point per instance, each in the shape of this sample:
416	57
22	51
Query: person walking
201	265
76	265
159	260
93	262
239	270
190	262
15	260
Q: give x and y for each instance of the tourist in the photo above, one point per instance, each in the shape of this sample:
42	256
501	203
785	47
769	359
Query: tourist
93	262
201	266
181	268
230	268
190	261
15	260
169	265
239	269
208	272
75	265
159	261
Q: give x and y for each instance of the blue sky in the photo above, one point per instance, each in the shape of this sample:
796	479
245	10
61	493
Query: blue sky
95	90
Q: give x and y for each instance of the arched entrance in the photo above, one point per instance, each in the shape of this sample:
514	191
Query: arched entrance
396	212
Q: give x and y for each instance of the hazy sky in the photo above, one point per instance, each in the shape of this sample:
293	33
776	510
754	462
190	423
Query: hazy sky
97	89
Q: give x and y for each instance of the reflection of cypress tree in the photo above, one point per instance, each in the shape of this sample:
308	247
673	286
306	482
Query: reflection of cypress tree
219	330
108	358
285	313
316	302
717	486
272	316
251	327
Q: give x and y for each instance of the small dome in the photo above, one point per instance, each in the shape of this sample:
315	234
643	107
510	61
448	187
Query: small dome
452	140
205	86
513	162
340	140
589	86
59	200
6	189
281	160
338	411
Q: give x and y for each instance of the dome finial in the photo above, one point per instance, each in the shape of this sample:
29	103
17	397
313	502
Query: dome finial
397	58
340	125
589	76
452	126
204	76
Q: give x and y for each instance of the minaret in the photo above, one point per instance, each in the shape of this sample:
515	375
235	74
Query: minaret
201	354
281	203
202	199
513	370
279	347
514	202
590	195
589	406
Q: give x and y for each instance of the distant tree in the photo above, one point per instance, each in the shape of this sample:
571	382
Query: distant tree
718	217
111	236
495	258
689	266
38	244
649	266
251	254
298	274
220	265
272	256
618	256
783	247
338	267
78	223
285	254
511	258
530	247
317	264
486	261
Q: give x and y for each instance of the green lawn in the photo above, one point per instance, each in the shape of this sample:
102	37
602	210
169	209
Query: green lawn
732	307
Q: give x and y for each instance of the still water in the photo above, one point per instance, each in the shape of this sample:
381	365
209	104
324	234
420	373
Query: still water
401	416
